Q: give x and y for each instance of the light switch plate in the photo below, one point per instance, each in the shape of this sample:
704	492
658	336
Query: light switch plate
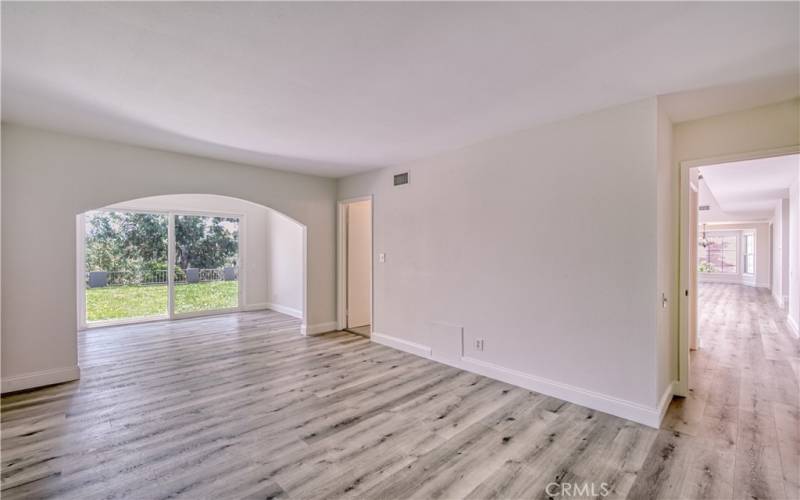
381	258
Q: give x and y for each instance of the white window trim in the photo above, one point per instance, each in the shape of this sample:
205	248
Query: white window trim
745	234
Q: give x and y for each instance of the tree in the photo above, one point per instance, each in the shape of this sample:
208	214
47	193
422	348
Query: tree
206	242
130	244
136	243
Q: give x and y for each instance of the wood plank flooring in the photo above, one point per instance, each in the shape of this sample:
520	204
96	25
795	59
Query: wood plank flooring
740	427
360	330
242	406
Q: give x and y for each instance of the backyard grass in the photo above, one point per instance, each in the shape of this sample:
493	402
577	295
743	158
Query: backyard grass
120	302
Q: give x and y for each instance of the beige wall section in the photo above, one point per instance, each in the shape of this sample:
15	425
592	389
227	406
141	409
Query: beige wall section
48	178
285	251
667	258
359	262
767	127
544	244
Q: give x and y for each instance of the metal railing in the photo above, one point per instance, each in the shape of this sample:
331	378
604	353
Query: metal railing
97	279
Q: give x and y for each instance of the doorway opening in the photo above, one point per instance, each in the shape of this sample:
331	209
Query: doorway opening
739	254
187	255
355	266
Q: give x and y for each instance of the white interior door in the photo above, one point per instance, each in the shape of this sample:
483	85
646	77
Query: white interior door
359	263
693	227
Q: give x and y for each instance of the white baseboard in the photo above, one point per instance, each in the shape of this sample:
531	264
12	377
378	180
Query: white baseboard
402	345
735	279
256	307
318	329
793	327
295	313
40	378
666	399
647	415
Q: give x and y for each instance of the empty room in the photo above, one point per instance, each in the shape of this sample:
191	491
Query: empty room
390	250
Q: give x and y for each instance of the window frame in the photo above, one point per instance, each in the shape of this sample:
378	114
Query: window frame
83	324
736	235
746	271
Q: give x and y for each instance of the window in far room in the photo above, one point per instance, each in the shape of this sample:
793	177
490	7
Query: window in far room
749	250
720	253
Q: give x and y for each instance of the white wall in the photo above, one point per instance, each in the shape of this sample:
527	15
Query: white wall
786	231
49	178
780	252
763	249
543	243
776	249
285	256
794	257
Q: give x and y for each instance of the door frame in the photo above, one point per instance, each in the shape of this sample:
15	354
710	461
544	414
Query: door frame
83	324
341	264
687	290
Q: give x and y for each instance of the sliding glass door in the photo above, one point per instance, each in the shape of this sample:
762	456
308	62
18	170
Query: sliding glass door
156	265
206	263
125	264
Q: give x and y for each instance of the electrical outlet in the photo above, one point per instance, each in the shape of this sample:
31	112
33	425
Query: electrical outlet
479	344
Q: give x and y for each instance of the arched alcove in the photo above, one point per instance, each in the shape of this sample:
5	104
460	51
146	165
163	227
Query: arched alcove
50	178
268	269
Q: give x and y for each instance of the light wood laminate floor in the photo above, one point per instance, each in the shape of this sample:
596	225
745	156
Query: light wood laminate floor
738	433
360	330
242	406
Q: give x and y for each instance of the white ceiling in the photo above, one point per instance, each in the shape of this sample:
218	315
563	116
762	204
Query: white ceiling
748	190
336	88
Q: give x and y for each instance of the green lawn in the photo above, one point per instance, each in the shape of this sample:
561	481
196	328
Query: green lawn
120	302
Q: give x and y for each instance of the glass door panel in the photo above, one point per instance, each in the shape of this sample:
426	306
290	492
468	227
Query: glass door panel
206	263
126	265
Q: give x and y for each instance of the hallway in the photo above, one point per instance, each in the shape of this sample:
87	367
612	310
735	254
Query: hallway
738	433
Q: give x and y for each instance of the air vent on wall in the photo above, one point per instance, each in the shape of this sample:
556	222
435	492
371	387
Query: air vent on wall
400	179
704	207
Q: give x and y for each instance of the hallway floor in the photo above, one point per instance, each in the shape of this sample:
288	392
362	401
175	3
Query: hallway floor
738	433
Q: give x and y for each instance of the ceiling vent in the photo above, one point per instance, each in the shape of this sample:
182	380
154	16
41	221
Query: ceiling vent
704	207
400	179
